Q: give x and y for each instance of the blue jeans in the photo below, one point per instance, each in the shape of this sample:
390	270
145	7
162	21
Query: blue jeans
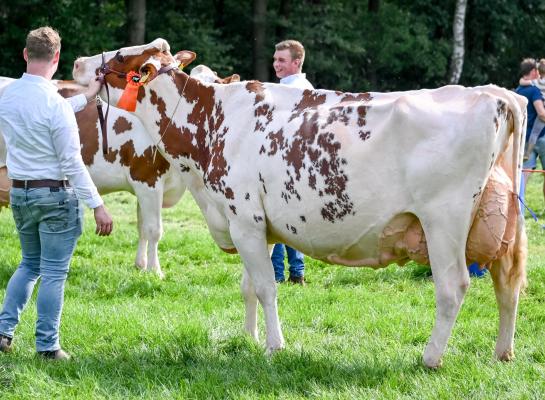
49	223
295	260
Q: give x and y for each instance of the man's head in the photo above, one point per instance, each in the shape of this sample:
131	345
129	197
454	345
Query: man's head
528	69
288	58
42	44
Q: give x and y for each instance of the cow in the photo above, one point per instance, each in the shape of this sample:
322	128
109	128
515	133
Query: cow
358	179
131	164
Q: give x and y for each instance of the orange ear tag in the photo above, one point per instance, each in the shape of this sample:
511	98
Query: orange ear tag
127	101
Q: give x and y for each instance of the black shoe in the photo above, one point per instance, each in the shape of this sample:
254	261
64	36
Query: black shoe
299	280
59	354
5	344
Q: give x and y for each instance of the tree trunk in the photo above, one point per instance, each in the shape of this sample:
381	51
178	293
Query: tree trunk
260	59
136	22
373	6
458	28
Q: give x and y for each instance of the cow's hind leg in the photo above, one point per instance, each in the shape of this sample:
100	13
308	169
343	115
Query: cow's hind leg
509	277
451	278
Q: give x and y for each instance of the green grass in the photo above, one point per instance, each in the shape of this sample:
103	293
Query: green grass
350	333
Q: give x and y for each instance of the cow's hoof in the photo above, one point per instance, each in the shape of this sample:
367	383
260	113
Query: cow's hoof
507	355
273	349
432	363
139	266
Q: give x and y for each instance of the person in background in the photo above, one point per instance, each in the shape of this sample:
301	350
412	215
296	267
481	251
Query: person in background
535	134
49	180
288	61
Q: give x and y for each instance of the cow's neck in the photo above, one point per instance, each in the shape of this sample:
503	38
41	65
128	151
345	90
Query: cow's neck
187	133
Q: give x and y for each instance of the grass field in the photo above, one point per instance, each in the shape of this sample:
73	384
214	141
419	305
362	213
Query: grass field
350	333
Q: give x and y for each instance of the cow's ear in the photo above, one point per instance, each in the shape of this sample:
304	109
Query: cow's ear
148	71
185	57
232	78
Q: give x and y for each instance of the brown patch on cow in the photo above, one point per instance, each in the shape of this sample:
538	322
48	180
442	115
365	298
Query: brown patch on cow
87	120
311	99
356	97
263	111
258	218
303	218
247	197
206	146
88	132
121	125
229	193
257	88
233	209
365	135
317	151
144	168
111	155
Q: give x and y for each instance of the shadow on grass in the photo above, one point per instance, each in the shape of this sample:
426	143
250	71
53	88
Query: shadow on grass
234	368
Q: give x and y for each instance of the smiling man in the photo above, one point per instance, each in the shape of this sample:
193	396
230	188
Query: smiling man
288	63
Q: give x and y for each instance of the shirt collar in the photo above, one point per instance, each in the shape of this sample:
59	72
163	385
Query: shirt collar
36	79
289	79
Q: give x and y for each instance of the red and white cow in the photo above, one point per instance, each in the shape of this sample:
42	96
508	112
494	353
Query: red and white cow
363	179
131	164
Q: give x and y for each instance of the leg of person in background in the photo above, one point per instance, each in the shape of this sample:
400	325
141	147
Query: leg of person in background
297	266
277	259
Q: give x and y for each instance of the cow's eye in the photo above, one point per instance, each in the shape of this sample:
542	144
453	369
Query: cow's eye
119	57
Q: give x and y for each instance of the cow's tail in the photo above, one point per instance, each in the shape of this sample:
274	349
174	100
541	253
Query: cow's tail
517	277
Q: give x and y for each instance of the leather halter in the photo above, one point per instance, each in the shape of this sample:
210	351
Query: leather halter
102	72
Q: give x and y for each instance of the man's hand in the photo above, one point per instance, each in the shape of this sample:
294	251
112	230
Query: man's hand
93	89
103	220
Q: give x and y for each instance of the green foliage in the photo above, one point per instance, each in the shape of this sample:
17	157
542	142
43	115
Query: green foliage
406	45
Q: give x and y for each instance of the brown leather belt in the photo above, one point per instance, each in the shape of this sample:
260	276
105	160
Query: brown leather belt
40	183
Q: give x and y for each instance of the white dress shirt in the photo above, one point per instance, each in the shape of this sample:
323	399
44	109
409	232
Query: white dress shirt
298	80
41	135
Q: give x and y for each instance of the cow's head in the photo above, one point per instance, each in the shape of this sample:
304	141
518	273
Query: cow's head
205	74
146	60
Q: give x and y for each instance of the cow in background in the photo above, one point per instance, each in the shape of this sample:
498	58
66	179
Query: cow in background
362	179
131	164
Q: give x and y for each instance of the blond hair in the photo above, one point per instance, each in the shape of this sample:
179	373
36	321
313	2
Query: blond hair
297	51
42	43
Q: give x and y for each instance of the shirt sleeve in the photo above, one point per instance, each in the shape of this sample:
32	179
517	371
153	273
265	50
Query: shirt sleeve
65	138
78	102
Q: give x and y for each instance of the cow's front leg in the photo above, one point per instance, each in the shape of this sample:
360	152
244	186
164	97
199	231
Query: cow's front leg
451	279
250	302
251	244
150	228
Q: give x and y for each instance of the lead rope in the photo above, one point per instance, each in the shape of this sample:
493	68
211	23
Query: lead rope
532	213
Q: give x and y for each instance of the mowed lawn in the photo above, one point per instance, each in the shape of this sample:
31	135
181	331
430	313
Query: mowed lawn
350	333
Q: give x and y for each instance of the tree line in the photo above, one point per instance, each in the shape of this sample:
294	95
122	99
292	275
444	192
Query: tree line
373	45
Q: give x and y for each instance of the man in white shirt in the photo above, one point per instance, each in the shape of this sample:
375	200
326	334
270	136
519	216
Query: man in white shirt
288	64
49	180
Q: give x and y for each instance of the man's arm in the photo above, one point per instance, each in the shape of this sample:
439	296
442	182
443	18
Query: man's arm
78	102
538	104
